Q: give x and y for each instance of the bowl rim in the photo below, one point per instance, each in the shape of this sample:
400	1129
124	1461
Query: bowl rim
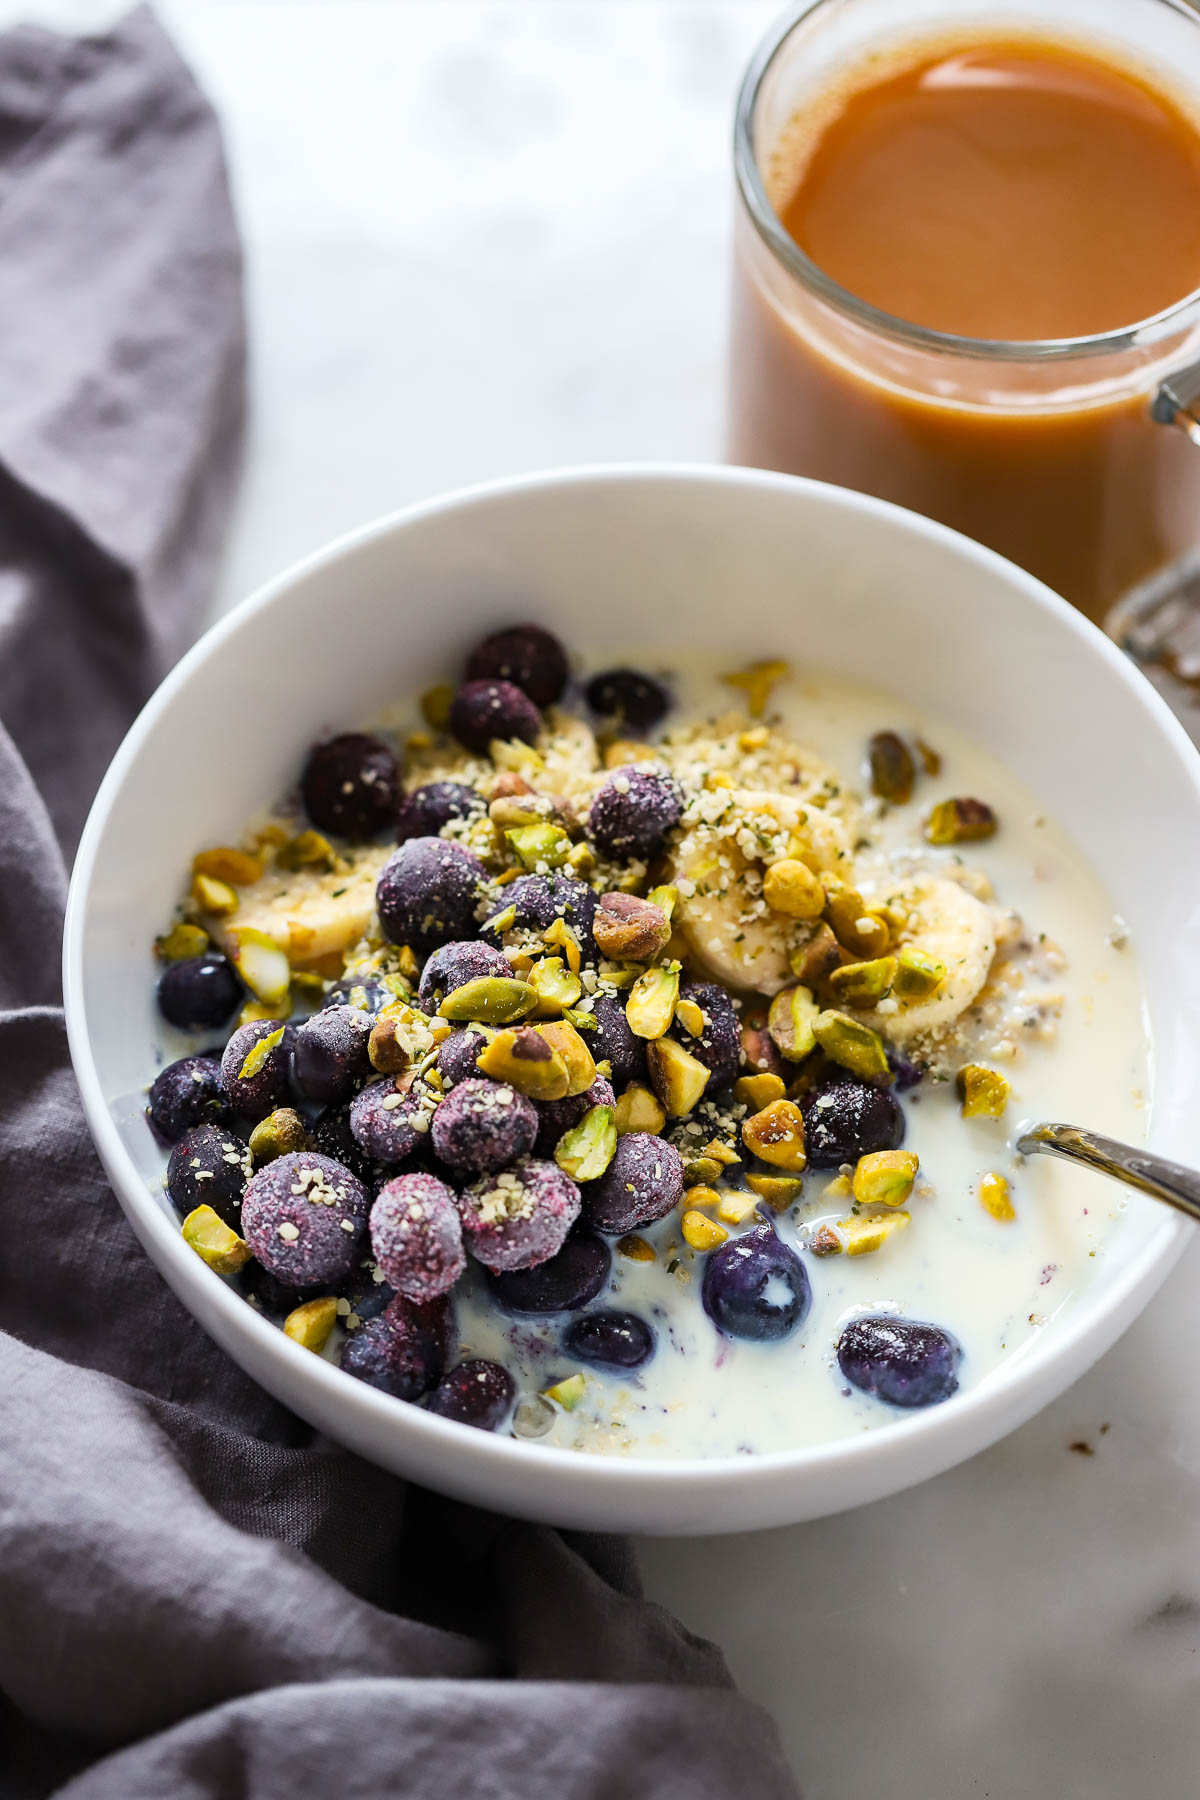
206	1294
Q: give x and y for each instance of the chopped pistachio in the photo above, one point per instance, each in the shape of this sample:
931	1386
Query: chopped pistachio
690	1016
858	928
815	953
984	1092
515	755
623	751
215	897
863	984
790	1023
884	1177
183	940
258	1053
756	738
235	867
635	1248
436	702
994	1195
262	965
917	975
724	1154
756	683
566	1042
255	1011
310	1324
838	1189
666	899
734	1208
279	1134
213	1240
630	929
524	1059
852	1044
864	1232
586	1150
893	770
400	1036
533	1417
779	1191
700	1195
638	1109
407	963
539	846
307	985
559	936
582	859
679	1078
825	1242
758	1091
791	888
310	850
555	986
960	821
702	1233
582	1021
568	1393
509	812
489	1000
652	999
702	1168
776	1135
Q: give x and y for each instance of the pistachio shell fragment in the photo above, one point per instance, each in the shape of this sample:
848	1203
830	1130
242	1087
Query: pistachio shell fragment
639	1110
960	821
311	1323
262	965
489	1000
554	985
539	846
309	850
779	1191
776	1135
994	1196
863	983
756	682
984	1092
524	1059
652	1000
279	1134
213	1240
702	1233
236	867
893	770
183	940
630	929
917	974
884	1177
567	1393
791	888
213	896
635	1248
852	1044
679	1078
757	1091
864	1232
790	1023
576	1058
586	1150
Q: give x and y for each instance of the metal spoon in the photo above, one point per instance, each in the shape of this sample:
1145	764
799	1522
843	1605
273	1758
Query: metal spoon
1150	1174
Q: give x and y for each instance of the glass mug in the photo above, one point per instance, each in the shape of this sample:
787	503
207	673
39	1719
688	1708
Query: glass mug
1057	452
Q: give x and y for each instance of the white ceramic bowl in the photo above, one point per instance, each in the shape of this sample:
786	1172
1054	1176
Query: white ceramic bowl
741	564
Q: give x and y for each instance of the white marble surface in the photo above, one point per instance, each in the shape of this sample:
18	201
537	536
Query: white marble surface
487	237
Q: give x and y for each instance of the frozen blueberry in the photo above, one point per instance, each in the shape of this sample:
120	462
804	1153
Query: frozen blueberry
528	656
629	697
609	1339
427	809
272	1296
719	1046
906	1075
845	1119
427	893
613	1039
563	1283
642	1183
557	1116
632	814
475	1393
901	1361
756	1287
303	1217
332	1136
209	1166
519	1217
483	710
366	1292
538	900
453	965
360	991
403	1351
482	1126
390	1122
256	1082
198	993
349	786
329	1054
458	1055
416	1235
187	1092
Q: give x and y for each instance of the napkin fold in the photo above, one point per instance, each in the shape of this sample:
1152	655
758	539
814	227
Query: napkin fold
198	1598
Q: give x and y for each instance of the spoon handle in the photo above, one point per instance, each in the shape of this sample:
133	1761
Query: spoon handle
1141	1169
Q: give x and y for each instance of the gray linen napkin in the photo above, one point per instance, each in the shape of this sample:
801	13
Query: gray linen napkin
197	1600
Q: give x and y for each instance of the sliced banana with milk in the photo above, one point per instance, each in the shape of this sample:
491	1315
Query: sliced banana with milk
314	915
951	926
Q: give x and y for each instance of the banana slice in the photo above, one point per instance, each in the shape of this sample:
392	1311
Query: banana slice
314	915
946	922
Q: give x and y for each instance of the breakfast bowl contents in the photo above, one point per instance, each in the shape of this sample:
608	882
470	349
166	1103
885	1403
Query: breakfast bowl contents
622	1303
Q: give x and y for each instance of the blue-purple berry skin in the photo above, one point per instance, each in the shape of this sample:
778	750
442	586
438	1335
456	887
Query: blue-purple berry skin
901	1361
543	1205
272	1297
388	1133
454	965
199	993
360	991
349	786
632	814
458	1055
429	809
538	900
185	1093
482	1126
427	893
366	1292
484	710
642	1183
628	696
477	1392
613	1039
254	1096
416	1236
563	1283
209	1166
609	1339
304	1217
906	1074
529	656
329	1054
845	1119
756	1287
403	1351
719	1046
557	1116
330	1133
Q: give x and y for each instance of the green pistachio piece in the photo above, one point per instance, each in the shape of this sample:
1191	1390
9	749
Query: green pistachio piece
524	1059
502	921
183	940
984	1092
310	1323
893	770
308	851
538	846
651	1003
704	1169
814	952
568	1393
854	1045
489	1000
280	1133
666	898
586	1150
555	986
776	1135
582	1021
884	1177
566	1042
678	1078
779	1191
917	975
863	983
639	1110
960	821
790	1023
212	1240
259	1053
